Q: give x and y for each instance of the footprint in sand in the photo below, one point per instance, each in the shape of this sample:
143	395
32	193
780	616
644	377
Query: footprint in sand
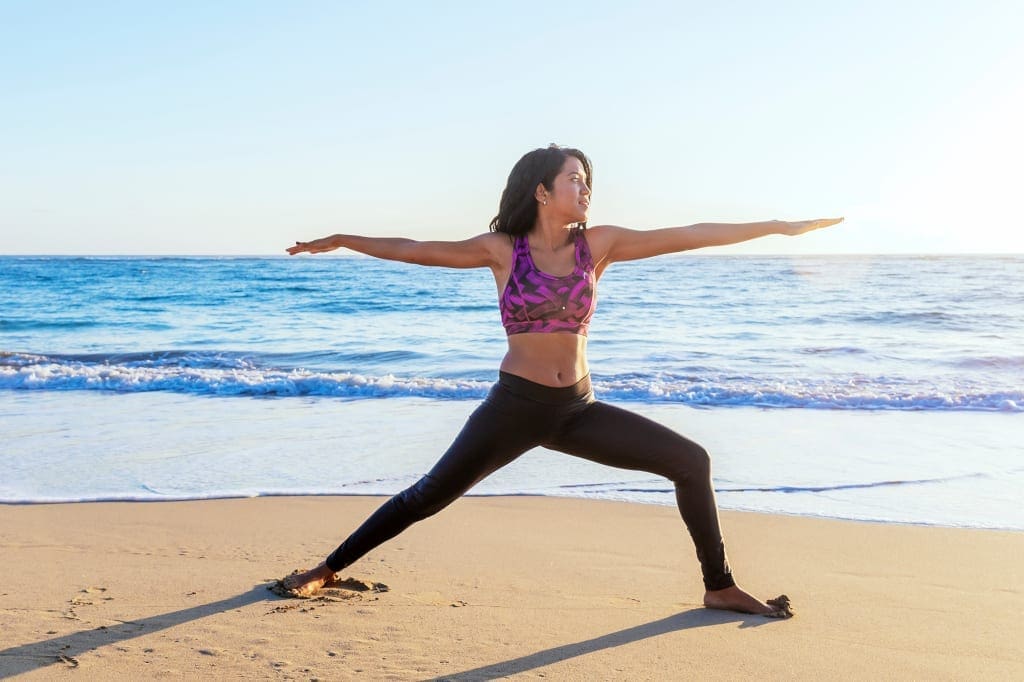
84	598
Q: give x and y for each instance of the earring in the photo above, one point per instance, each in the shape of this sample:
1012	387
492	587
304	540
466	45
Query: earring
545	202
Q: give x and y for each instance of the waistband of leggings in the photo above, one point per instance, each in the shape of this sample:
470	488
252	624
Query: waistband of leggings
541	393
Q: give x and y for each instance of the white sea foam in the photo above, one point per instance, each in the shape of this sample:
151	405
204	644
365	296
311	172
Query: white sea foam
195	373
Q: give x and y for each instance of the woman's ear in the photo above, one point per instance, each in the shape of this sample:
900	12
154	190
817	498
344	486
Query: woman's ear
541	193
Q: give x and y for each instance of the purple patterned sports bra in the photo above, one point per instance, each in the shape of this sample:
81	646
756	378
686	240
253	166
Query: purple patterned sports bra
536	302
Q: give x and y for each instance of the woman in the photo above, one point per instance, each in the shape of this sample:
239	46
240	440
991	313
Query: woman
546	264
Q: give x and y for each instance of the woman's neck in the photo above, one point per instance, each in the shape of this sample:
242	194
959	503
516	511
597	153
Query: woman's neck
550	236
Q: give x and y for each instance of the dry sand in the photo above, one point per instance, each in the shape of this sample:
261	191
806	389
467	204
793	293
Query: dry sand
493	587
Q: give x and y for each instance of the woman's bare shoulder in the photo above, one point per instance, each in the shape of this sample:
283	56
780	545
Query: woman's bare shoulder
495	238
497	244
600	239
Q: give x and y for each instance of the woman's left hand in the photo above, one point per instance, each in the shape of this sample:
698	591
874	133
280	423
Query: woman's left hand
802	226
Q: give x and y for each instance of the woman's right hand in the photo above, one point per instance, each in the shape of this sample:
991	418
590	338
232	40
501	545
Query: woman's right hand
315	246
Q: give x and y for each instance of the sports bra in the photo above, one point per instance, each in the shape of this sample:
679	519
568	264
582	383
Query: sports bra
536	302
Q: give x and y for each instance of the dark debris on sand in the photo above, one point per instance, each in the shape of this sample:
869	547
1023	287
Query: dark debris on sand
783	609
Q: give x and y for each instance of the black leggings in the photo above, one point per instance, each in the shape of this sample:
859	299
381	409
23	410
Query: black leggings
519	415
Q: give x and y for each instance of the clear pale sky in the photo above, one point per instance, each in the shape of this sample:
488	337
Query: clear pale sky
238	127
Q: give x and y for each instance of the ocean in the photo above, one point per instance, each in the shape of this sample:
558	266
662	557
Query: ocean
882	388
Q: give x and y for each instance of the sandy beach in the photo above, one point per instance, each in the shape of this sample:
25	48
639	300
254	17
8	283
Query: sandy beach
519	587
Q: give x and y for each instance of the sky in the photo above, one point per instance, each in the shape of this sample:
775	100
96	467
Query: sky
240	127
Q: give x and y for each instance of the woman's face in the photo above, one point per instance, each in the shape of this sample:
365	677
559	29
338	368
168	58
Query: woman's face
569	196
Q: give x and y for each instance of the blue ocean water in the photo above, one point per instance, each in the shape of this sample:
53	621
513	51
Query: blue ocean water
917	343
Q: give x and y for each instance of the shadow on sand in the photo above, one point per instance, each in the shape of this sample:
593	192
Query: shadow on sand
697	618
27	657
64	649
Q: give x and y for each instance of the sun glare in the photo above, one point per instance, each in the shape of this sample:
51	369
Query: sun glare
959	184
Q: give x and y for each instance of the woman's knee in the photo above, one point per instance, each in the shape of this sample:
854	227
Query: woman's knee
426	497
691	462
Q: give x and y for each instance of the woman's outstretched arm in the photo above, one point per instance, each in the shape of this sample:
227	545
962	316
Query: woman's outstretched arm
620	243
476	252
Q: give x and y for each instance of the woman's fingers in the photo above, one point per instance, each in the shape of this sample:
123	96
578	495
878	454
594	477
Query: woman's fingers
825	222
301	247
802	226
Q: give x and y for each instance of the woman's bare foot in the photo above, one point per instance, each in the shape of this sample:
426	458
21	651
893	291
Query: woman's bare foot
307	583
735	599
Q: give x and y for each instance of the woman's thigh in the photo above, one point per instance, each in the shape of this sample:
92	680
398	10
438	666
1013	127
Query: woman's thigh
616	437
496	433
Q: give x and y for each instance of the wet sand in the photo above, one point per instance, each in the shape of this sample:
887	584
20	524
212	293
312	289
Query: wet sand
522	587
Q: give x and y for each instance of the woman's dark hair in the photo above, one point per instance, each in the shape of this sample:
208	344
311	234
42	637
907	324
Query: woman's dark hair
517	210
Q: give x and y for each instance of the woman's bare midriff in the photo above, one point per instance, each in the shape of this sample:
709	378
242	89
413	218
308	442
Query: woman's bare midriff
557	360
